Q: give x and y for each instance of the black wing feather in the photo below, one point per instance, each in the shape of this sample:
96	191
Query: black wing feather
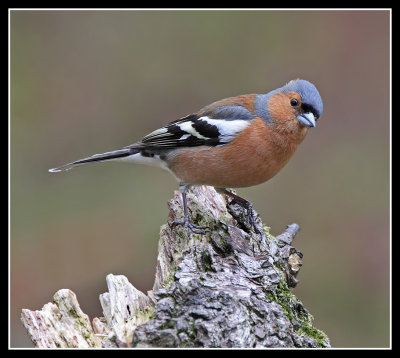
195	129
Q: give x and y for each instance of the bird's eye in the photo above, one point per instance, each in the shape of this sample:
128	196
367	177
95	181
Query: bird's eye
294	102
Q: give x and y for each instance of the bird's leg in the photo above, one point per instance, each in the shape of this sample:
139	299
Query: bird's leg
248	206
190	227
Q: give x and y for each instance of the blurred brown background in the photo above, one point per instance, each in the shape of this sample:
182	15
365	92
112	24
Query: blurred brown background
84	82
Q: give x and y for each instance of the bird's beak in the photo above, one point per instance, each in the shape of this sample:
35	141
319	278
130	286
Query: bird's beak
307	119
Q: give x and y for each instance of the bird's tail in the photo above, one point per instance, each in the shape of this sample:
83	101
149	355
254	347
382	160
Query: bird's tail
114	155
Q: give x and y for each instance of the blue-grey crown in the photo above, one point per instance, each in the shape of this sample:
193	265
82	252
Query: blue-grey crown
309	95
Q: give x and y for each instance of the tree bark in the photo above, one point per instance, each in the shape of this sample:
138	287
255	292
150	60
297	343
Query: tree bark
228	288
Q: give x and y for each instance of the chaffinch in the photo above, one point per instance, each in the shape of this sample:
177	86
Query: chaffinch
235	142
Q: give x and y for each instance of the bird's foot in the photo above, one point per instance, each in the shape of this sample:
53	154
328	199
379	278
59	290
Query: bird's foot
190	227
251	214
252	220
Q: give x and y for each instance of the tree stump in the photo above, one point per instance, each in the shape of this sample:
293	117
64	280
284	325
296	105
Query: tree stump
228	288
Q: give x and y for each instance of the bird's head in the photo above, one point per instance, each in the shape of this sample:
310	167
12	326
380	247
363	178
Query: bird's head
295	106
304	100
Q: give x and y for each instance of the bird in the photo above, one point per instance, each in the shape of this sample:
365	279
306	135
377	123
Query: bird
235	142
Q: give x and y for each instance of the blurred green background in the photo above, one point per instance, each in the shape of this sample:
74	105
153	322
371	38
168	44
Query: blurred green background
84	82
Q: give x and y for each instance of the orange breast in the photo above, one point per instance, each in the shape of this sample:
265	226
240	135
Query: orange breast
253	157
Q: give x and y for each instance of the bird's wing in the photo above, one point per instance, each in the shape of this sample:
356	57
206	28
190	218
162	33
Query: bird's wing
216	124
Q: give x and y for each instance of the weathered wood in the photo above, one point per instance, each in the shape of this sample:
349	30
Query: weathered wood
124	308
60	324
229	288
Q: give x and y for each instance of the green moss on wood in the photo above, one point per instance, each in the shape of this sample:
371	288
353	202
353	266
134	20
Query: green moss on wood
290	305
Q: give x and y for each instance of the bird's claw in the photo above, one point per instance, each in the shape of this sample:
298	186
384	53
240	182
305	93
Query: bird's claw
250	213
190	227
